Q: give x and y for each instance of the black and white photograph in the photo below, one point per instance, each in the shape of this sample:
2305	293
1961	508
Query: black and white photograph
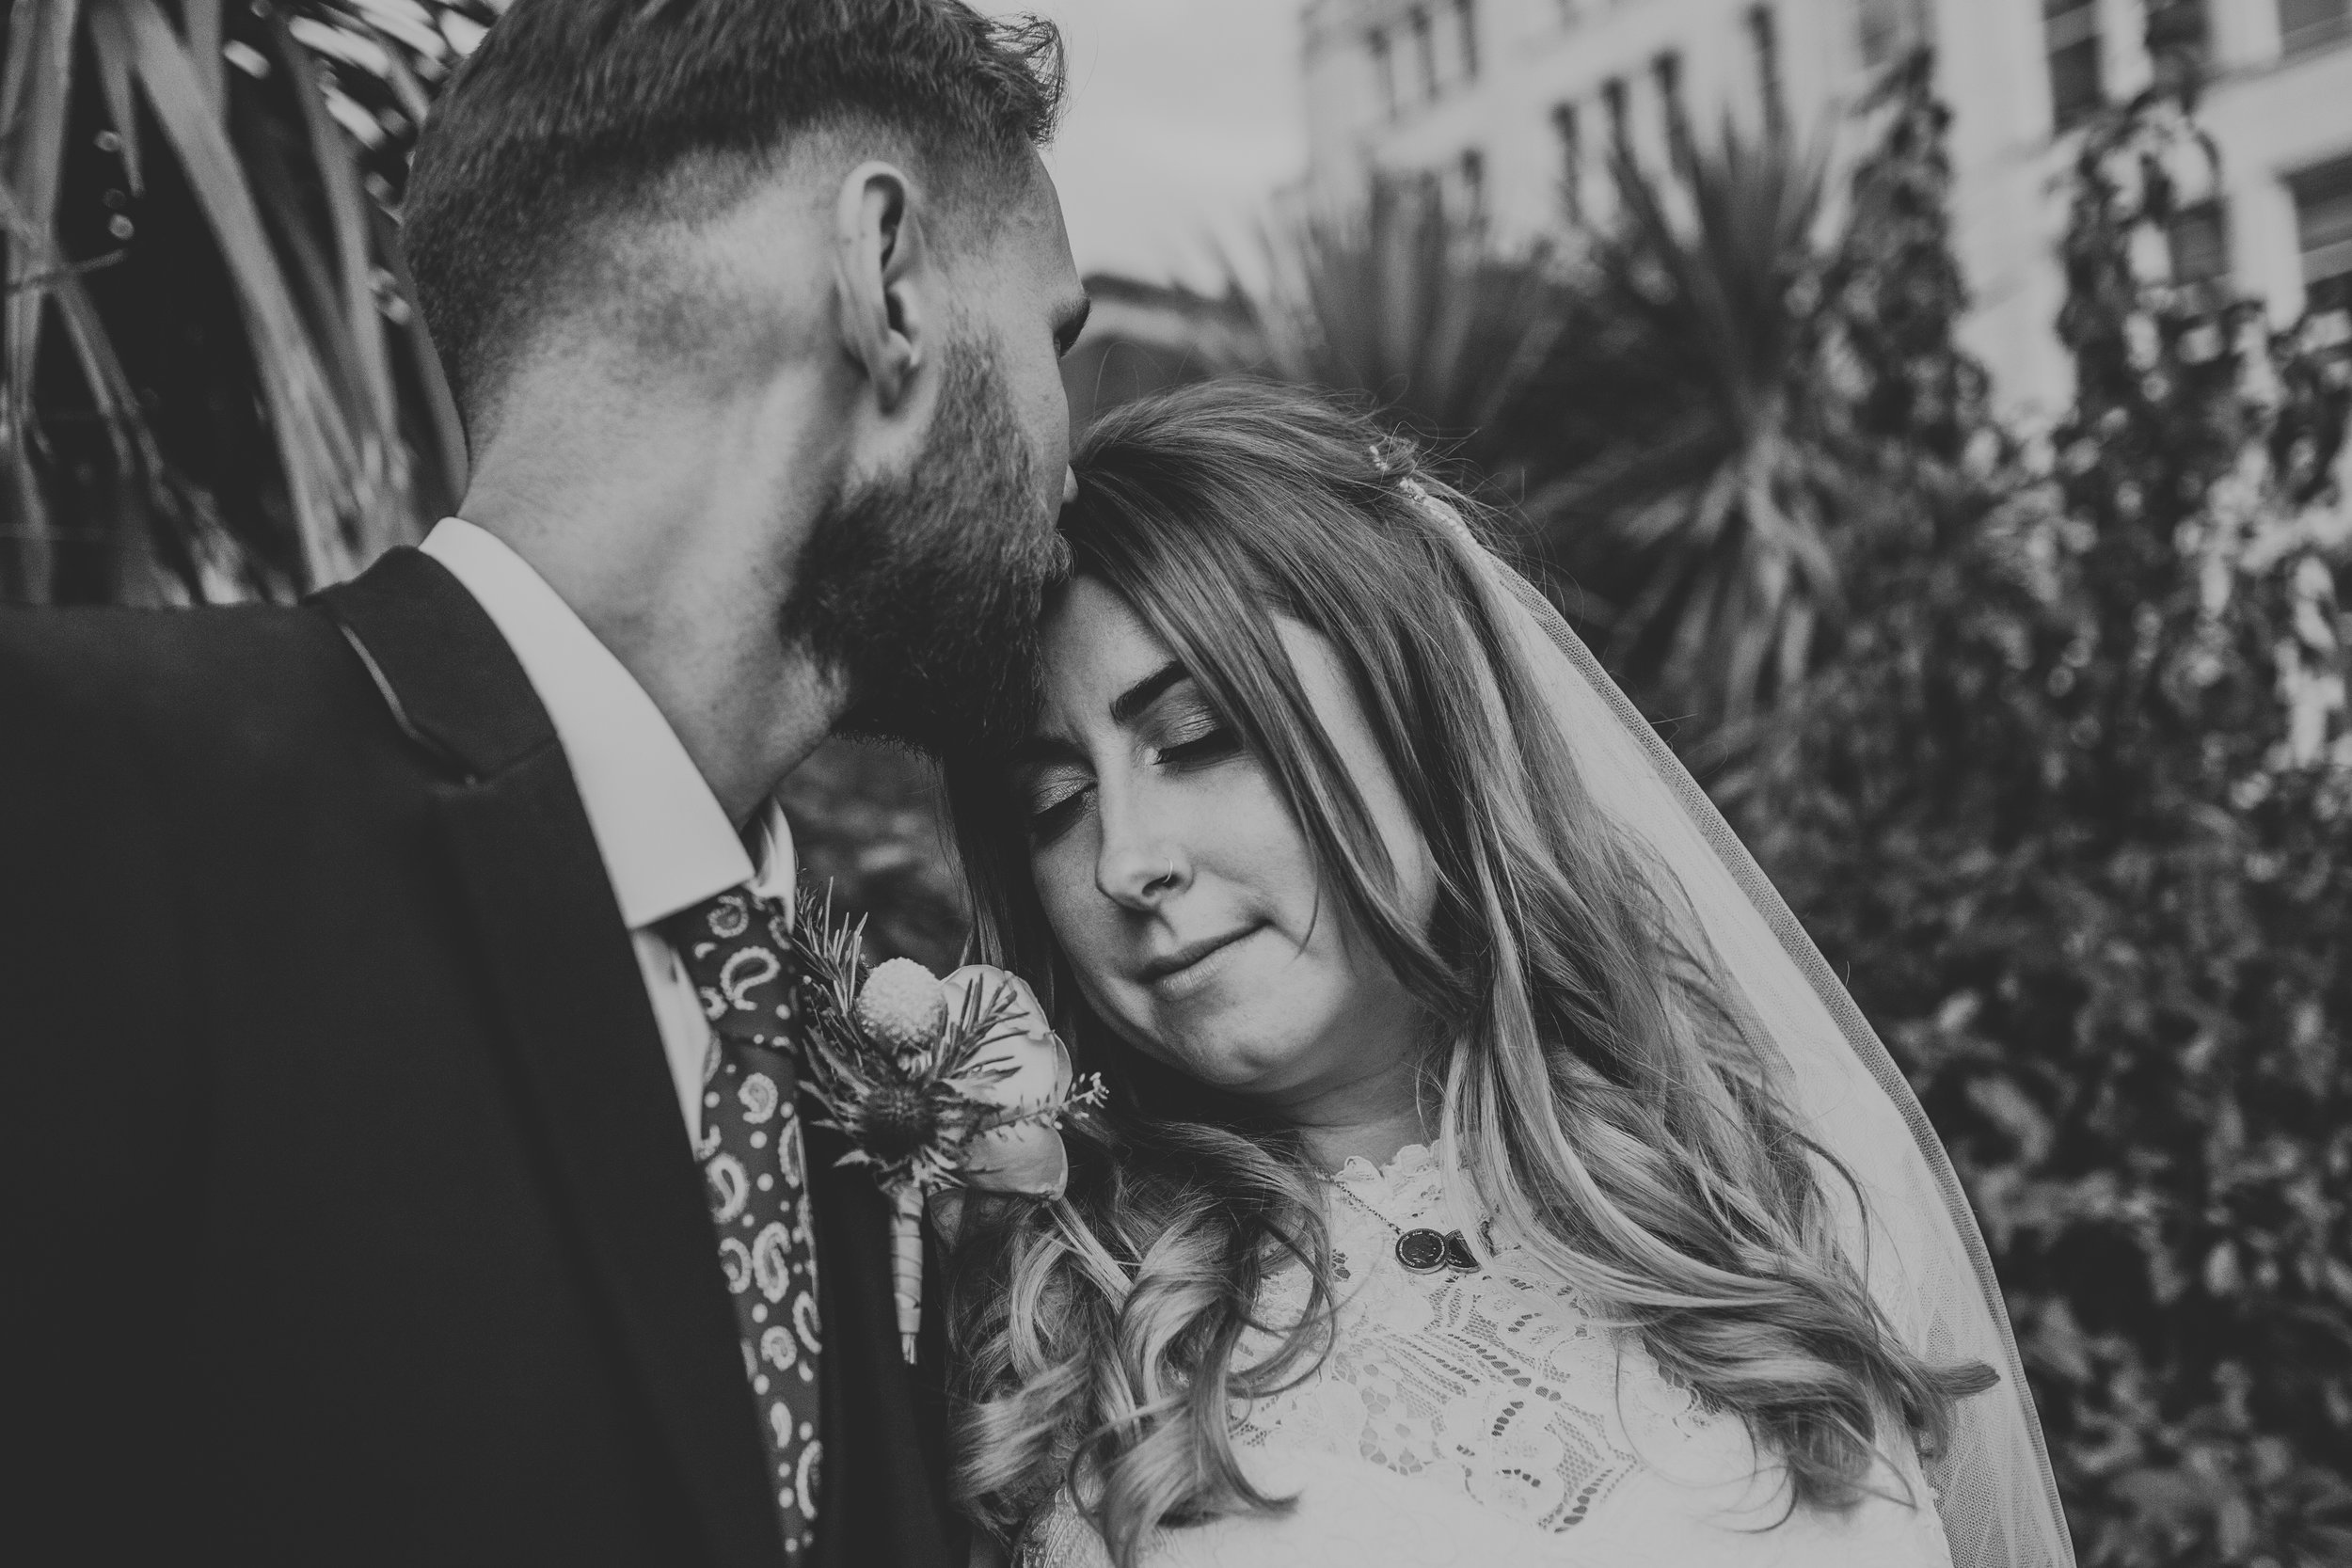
1176	783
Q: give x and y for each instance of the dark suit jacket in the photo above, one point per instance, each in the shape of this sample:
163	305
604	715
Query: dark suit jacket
348	1215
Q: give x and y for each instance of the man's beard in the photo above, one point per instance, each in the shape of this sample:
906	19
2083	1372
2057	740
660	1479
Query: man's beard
922	590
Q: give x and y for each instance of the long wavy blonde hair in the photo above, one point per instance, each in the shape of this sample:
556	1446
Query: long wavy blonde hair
1613	1113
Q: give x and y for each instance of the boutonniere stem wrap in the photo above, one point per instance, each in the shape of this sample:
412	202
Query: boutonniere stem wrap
938	1084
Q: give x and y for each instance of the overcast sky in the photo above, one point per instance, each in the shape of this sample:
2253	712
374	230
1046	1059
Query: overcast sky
1184	115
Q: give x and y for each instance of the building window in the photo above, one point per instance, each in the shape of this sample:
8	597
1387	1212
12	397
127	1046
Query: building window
2323	223
1565	125
1764	34
1473	185
2309	23
1620	133
1667	70
2071	34
2198	237
1425	46
1887	30
1465	19
1384	70
2180	38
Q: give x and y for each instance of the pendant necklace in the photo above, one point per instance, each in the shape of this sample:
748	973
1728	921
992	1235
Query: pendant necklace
1421	1250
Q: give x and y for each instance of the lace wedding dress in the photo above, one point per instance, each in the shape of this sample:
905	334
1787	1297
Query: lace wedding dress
1483	1418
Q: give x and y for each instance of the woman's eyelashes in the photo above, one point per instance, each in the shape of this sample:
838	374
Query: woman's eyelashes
1188	739
1053	804
1193	737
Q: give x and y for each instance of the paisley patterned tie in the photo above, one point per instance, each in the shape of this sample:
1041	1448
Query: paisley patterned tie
738	950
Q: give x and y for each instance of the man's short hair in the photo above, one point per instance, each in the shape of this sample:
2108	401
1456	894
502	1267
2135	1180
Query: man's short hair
575	113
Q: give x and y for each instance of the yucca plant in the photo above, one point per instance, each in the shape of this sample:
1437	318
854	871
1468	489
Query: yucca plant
1411	308
214	383
1706	512
1650	412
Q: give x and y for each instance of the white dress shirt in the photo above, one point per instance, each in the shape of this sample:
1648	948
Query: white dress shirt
666	842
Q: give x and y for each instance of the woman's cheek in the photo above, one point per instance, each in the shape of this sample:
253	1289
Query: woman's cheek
1052	870
1066	891
1255	845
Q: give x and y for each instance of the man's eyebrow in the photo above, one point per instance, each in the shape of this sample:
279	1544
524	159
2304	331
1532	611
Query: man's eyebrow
1128	704
1068	322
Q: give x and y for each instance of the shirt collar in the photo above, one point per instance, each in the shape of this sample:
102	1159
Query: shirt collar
666	842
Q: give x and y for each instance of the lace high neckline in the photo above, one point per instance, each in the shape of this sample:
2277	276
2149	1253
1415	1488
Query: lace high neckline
1407	1190
1487	1379
1412	1159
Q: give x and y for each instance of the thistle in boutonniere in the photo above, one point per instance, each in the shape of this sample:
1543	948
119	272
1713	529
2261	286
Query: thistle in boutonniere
936	1083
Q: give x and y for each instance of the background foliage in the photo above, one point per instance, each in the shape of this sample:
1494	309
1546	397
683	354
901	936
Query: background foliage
2068	807
214	383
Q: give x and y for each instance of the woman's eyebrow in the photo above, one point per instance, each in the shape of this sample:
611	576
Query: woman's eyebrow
1132	701
1039	750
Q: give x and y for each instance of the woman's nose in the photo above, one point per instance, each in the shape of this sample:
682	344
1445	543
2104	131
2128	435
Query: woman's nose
1137	867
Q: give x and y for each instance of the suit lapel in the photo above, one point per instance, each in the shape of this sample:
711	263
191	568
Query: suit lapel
884	1463
585	1049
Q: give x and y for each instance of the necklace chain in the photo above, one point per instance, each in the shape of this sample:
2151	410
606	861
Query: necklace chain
1421	1249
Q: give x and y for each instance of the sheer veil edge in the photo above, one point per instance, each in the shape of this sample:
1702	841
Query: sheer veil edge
1924	1257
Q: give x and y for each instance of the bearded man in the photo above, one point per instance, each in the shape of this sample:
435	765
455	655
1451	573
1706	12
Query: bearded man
378	1188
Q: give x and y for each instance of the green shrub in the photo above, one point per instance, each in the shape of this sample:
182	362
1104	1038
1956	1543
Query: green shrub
2069	808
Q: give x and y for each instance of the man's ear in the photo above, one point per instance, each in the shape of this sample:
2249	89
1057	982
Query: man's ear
882	278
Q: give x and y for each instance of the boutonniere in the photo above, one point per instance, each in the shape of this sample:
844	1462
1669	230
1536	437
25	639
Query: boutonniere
938	1084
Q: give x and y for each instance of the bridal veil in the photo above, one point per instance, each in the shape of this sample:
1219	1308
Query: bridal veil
1923	1257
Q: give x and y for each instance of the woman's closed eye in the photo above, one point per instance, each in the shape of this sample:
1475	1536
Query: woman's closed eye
1182	741
1194	737
1055	800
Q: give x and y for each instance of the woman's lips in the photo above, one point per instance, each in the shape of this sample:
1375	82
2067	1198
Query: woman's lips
1171	965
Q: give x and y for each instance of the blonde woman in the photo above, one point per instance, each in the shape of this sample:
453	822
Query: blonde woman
1494	1174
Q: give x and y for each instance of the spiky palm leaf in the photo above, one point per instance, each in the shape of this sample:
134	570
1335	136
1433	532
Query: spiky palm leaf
1410	307
1712	517
1655	419
212	379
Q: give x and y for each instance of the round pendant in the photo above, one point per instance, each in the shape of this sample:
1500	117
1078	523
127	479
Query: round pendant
1421	1251
1424	1251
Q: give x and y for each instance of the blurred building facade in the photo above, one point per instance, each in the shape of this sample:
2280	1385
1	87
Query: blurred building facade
1514	104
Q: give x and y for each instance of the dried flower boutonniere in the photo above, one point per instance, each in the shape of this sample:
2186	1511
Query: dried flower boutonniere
936	1083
